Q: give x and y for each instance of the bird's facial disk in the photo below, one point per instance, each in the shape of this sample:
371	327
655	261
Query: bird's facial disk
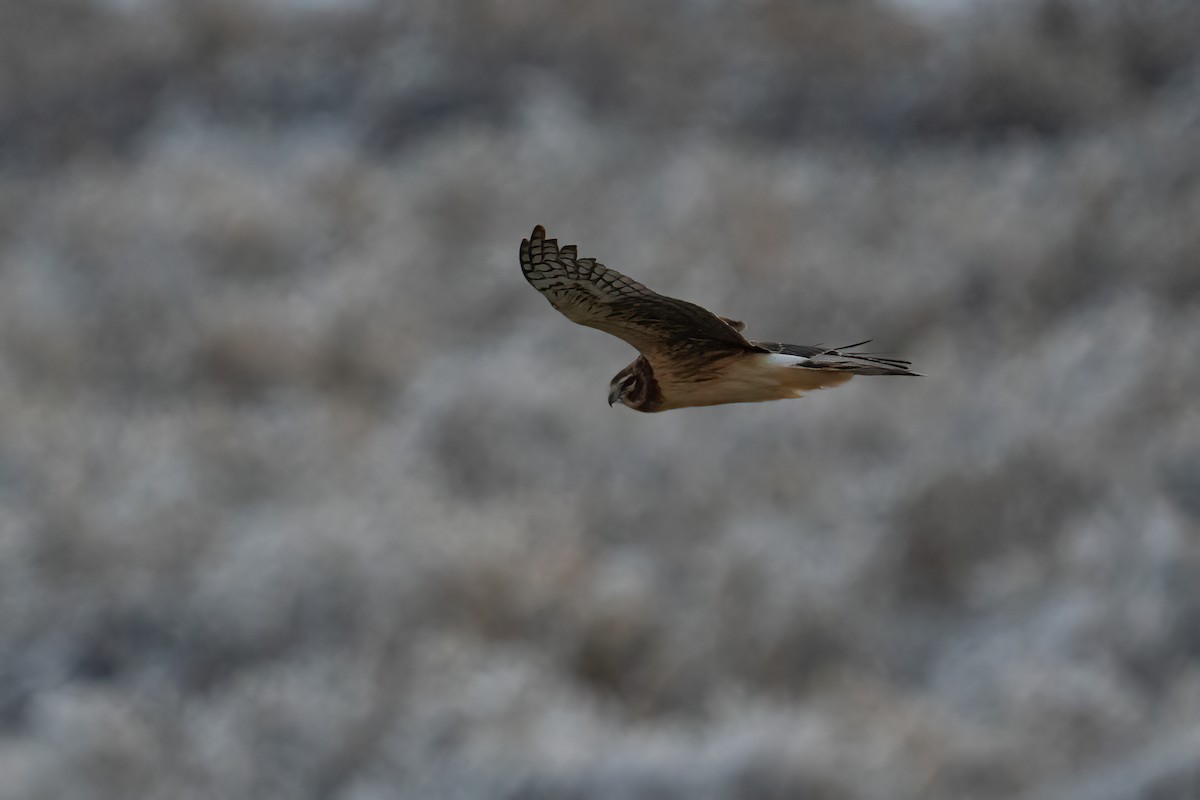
620	386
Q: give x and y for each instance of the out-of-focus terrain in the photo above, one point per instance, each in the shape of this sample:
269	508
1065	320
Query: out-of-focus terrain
305	493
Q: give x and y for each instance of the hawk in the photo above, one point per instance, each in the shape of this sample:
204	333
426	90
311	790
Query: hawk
688	355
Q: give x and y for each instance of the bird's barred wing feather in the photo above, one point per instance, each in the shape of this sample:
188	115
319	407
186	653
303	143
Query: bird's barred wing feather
586	292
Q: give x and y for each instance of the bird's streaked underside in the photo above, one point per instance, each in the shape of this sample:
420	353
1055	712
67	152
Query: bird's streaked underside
689	356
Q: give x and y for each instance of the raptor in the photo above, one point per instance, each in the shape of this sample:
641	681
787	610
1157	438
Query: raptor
688	355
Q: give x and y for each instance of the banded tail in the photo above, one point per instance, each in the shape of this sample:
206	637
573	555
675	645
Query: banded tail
841	359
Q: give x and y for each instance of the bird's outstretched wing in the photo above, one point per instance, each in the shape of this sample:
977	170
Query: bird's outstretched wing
660	327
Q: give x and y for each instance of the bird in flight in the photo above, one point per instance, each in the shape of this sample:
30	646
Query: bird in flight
688	355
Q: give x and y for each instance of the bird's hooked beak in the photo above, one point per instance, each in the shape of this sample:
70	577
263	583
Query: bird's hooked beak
613	394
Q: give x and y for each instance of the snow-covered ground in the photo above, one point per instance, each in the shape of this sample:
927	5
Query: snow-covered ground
304	492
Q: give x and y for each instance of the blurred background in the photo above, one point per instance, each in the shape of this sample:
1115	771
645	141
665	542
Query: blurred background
305	493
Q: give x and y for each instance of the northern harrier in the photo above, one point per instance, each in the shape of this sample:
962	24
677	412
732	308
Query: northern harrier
689	356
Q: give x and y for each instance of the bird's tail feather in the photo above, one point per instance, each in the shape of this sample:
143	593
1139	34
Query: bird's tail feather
859	363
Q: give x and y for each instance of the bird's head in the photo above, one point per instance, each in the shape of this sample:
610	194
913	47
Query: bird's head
635	387
624	385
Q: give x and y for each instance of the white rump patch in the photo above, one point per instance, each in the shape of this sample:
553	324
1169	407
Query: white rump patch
781	360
